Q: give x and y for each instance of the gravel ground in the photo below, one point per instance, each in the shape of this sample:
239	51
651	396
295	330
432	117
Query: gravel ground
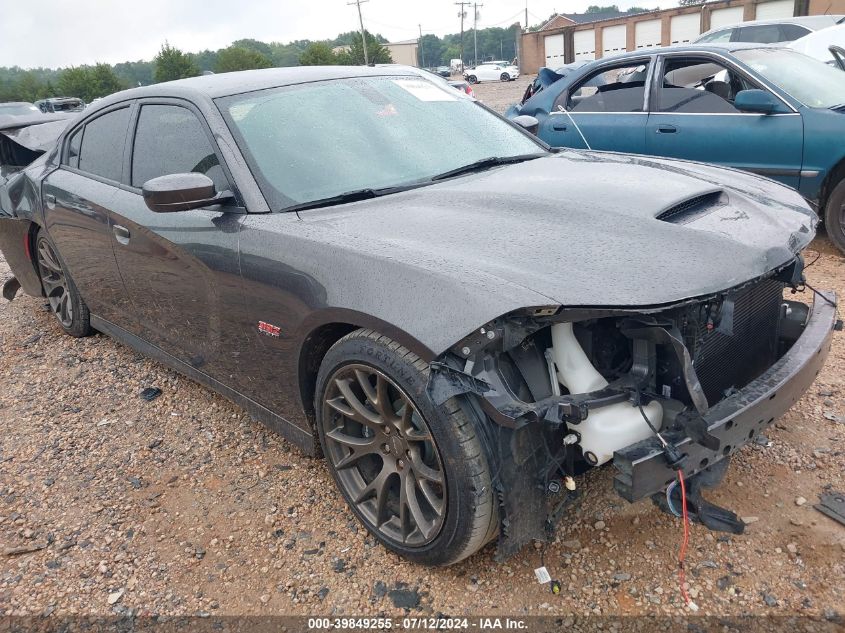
183	505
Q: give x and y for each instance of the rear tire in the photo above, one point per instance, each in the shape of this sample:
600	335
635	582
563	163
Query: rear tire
834	215
415	474
66	304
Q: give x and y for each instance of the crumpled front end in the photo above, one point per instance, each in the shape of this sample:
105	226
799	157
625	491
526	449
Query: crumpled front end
570	389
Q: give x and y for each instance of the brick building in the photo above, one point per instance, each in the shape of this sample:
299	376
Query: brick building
569	37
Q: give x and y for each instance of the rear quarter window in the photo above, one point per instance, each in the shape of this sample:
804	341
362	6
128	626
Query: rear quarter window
101	150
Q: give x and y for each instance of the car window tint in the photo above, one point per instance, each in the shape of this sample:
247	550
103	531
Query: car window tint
101	152
620	89
791	32
73	148
699	86
171	140
760	34
718	36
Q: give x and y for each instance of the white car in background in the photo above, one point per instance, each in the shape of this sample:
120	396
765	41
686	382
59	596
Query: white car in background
492	71
826	45
769	31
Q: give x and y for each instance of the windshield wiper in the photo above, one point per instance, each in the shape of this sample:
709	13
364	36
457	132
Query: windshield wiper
348	196
841	106
487	163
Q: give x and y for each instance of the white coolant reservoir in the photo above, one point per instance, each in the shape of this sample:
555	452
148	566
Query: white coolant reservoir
606	429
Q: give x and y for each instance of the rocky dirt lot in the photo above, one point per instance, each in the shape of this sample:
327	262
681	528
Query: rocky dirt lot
183	505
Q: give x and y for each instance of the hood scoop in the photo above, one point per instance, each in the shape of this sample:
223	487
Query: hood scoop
694	208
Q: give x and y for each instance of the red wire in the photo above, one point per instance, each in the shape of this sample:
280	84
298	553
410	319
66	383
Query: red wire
683	553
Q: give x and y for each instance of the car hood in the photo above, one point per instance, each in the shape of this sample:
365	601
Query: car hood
582	228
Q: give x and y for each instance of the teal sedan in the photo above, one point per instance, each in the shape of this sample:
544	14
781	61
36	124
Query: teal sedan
763	109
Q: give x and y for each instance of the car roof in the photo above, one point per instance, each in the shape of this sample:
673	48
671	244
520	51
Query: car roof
720	47
213	86
15	103
809	21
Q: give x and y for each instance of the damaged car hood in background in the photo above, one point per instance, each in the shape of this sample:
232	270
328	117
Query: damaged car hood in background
582	228
25	138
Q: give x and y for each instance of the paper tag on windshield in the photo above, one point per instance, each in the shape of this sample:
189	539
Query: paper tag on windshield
542	575
424	90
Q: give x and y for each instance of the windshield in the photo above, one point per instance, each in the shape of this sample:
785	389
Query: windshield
18	108
812	82
317	140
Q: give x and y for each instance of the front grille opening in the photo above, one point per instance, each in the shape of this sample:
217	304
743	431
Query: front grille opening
694	208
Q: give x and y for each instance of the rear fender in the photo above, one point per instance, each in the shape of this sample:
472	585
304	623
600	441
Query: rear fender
17	245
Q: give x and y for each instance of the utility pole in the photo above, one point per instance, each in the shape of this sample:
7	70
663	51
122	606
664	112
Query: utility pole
462	15
475	30
361	22
422	50
526	15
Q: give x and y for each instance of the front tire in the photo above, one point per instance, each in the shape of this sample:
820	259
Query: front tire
505	77
66	304
416	475
472	79
834	215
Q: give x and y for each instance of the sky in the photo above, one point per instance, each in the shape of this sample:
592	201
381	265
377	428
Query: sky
61	33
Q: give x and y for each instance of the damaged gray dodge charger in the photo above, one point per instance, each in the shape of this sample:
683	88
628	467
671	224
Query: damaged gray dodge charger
461	320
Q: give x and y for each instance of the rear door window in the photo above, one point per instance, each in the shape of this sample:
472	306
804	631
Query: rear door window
619	89
791	32
101	151
170	139
760	34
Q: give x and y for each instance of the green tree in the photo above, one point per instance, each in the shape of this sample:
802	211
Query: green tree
288	54
318	54
171	63
262	48
76	82
28	87
236	58
376	53
104	82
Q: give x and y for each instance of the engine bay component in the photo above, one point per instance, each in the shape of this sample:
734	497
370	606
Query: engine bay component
606	429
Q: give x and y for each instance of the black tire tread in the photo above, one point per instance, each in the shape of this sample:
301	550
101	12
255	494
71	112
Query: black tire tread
833	216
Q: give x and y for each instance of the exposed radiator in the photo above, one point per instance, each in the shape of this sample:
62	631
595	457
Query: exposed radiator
722	360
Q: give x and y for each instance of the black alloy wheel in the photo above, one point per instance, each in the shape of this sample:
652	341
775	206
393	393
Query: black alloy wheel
55	283
415	473
64	299
505	77
384	455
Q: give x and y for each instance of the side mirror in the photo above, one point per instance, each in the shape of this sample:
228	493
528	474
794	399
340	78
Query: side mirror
759	101
180	192
527	122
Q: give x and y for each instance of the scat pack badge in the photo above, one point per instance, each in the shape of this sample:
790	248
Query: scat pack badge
268	329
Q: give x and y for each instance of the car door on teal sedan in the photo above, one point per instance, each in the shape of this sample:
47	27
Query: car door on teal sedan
604	111
695	114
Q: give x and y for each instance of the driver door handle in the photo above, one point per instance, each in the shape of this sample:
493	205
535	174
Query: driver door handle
121	233
666	129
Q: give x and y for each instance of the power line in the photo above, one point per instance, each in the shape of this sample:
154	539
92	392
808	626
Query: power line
361	22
